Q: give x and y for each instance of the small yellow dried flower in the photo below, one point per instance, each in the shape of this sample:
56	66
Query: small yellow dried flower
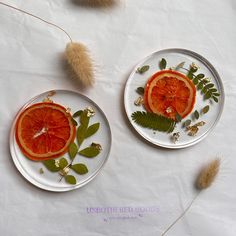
194	128
194	66
138	101
65	171
57	163
90	111
47	99
97	145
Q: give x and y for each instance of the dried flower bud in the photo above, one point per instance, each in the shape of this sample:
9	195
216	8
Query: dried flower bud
194	66
175	137
194	128
65	171
138	101
97	145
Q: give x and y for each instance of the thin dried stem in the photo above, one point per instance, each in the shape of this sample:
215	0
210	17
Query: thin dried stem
204	180
37	17
181	216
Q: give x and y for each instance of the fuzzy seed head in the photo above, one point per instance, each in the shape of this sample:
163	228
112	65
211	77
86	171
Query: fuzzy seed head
97	3
80	63
208	174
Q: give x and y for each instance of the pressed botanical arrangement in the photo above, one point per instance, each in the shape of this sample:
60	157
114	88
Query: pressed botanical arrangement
47	131
169	97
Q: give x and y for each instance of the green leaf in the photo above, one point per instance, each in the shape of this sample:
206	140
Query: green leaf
200	85
84	119
194	69
190	75
204	90
140	90
153	121
92	130
50	165
178	117
63	163
206	81
73	150
207	95
195	81
77	114
70	179
179	66
209	86
82	129
89	152
143	69
200	76
163	64
205	109
74	122
215	99
213	90
80	169
216	94
187	123
196	114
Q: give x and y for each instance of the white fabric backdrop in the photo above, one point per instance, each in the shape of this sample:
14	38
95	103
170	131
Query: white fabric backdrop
137	174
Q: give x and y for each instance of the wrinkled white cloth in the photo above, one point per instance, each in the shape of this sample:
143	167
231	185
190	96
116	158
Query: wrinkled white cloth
142	188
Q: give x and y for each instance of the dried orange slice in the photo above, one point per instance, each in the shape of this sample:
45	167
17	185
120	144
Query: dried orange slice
169	93
44	131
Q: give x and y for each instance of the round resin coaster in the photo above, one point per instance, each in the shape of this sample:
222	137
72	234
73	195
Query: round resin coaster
40	129
162	85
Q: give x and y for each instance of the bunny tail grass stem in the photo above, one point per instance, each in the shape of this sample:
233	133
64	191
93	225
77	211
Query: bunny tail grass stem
39	18
204	180
182	215
80	63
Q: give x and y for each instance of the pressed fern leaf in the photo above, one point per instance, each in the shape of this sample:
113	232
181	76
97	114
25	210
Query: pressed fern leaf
153	121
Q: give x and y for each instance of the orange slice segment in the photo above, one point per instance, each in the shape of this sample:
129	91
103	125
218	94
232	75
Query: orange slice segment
44	131
169	93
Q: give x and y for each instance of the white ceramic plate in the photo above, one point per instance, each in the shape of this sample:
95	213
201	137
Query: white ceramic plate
48	180
174	57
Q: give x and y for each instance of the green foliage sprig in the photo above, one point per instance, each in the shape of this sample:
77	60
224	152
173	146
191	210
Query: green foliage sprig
153	121
83	132
202	83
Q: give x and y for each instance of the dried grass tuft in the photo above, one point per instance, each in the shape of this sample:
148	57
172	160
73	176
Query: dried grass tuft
97	3
204	180
208	175
80	63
